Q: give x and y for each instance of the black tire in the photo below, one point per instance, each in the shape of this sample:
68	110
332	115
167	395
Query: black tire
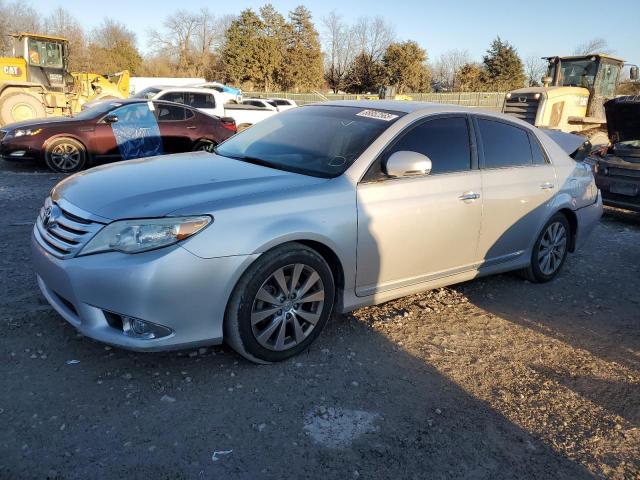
534	272
204	146
20	106
238	329
55	151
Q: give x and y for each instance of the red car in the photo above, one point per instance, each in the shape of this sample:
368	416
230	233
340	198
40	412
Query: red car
113	130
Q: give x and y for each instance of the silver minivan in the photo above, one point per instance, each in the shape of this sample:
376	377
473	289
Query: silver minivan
323	208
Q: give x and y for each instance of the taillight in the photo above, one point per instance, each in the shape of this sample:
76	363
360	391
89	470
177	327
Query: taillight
229	123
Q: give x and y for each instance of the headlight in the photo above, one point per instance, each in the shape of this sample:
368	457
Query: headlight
24	132
135	236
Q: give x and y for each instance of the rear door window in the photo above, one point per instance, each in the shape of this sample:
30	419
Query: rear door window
504	145
169	113
177	97
539	157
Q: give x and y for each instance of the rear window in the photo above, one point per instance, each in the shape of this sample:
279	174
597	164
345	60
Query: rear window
147	93
504	145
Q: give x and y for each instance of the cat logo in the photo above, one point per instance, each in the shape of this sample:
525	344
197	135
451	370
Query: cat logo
12	70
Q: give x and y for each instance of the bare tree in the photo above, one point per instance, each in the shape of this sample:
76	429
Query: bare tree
16	17
595	45
445	69
190	40
61	23
534	68
339	46
373	36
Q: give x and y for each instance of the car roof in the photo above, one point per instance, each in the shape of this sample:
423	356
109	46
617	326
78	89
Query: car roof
163	88
427	108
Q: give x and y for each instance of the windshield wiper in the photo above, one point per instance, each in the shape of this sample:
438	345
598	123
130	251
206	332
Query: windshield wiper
247	158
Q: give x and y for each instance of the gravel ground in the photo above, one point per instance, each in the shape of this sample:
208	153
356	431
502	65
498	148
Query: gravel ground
494	378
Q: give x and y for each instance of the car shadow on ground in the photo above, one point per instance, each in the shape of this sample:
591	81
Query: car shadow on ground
355	404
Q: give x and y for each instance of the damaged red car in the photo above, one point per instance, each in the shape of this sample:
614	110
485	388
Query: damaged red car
113	130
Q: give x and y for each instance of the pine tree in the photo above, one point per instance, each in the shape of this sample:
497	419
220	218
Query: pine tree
471	77
504	68
302	68
364	75
404	65
243	52
272	45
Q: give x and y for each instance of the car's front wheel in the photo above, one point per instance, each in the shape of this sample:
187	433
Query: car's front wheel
550	250
65	155
204	146
280	304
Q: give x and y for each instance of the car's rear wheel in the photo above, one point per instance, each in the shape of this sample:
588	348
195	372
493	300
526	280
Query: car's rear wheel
280	305
550	250
204	146
65	155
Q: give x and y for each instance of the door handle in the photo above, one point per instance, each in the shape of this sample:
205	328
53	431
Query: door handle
546	186
191	127
469	196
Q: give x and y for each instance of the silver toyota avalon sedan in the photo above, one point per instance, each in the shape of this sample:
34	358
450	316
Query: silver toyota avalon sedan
322	208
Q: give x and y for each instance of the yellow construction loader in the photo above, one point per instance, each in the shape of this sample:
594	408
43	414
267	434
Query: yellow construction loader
36	81
572	96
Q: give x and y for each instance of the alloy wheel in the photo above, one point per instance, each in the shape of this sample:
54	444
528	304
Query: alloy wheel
287	307
65	156
206	147
553	246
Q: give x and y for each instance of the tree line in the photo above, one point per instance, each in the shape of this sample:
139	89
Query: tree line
266	50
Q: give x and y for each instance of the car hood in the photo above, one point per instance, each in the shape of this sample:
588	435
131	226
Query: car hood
622	118
37	123
158	186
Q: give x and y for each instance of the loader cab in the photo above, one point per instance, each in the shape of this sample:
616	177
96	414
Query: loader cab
599	74
46	58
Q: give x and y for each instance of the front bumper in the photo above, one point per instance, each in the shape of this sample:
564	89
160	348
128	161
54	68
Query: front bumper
620	191
15	151
170	287
588	218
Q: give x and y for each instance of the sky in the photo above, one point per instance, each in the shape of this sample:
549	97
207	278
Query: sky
540	28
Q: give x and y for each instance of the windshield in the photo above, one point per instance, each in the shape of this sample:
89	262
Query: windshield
317	140
43	53
147	93
577	73
97	109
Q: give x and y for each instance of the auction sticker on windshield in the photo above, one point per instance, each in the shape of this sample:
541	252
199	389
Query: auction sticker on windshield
377	114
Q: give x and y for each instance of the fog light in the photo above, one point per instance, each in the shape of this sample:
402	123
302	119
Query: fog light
134	327
18	153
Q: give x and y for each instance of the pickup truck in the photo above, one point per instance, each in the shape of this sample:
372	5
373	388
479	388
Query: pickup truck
210	102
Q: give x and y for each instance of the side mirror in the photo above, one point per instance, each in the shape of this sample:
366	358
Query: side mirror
546	81
408	164
111	118
633	73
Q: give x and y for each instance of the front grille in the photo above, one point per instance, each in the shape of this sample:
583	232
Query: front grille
62	233
622	172
524	108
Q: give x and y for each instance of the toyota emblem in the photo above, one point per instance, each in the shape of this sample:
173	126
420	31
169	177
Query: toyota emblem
46	216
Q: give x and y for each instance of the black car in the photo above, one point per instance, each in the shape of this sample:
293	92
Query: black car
617	167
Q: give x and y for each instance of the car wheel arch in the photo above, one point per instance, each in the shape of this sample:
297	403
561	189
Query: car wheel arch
327	252
72	136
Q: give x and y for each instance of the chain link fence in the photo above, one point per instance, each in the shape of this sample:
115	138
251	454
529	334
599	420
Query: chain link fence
488	100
